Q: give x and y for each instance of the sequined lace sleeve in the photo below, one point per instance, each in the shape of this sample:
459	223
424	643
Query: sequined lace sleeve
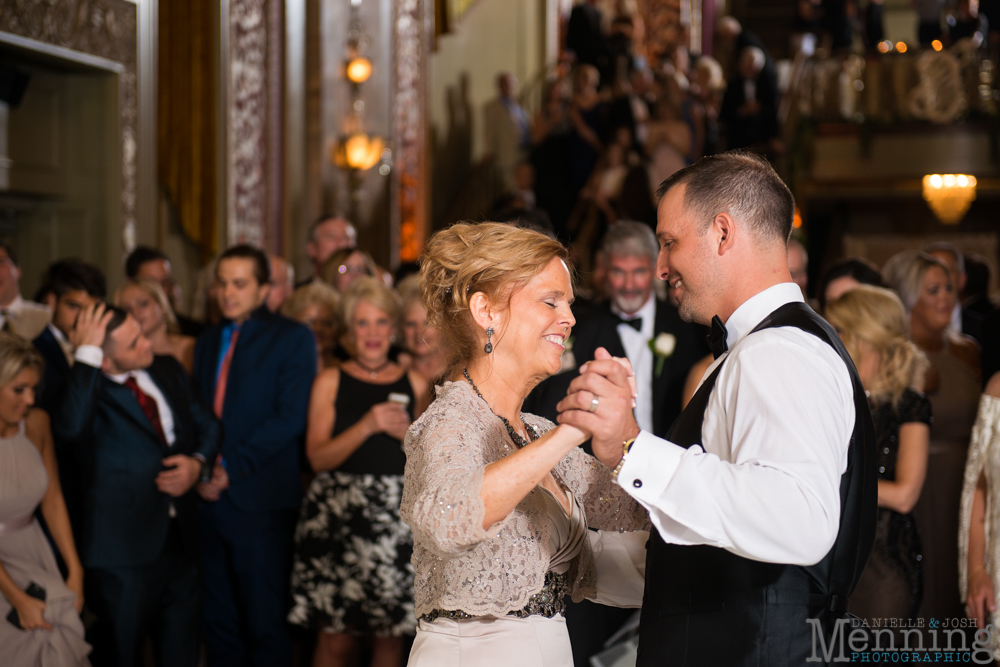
442	499
608	505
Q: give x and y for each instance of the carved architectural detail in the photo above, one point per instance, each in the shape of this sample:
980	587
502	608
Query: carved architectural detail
251	144
410	53
103	28
247	119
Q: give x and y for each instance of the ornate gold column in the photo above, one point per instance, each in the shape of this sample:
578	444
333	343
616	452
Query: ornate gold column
253	63
412	30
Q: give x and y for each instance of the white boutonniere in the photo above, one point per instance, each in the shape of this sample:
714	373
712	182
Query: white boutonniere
662	347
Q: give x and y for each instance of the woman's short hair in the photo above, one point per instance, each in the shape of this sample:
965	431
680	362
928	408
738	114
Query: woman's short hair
315	293
874	316
858	268
409	292
493	258
333	266
155	291
374	291
905	273
16	354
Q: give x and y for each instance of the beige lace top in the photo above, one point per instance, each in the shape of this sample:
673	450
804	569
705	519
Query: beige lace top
983	458
460	566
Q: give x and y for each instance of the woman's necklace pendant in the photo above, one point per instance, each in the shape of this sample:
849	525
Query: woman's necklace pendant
515	437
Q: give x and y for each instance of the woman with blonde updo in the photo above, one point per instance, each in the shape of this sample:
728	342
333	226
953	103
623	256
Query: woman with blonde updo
953	388
146	301
872	323
499	501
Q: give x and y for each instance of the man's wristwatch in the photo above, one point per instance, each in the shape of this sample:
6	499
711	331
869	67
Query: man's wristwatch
206	470
625	447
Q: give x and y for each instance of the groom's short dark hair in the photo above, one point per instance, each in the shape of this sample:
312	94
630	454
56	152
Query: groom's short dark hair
739	183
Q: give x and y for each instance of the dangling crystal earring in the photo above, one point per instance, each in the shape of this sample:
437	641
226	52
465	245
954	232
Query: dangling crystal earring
489	346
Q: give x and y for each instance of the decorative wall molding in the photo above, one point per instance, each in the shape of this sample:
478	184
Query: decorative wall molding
255	39
247	120
411	43
102	28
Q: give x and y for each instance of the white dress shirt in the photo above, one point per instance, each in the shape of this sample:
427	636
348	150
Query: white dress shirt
94	356
67	347
636	344
776	433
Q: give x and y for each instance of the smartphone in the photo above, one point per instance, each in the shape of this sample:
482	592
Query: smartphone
400	399
35	591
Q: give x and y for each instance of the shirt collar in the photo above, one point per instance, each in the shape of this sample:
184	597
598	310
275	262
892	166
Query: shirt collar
752	311
60	338
16	304
119	377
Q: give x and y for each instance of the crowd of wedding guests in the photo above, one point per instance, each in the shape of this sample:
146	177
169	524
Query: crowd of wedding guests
221	483
615	121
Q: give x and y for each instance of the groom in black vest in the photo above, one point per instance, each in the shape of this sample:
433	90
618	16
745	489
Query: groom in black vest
763	495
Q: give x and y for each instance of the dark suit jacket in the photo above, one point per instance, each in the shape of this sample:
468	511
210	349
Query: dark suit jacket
124	519
585	37
56	367
264	414
599	328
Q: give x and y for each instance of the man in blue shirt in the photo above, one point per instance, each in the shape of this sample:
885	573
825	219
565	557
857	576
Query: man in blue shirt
256	370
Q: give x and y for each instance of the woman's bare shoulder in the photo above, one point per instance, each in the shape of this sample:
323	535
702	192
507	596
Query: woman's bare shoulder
36	426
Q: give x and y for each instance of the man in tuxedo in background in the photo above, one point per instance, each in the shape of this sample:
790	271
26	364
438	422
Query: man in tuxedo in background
258	369
23	318
138	440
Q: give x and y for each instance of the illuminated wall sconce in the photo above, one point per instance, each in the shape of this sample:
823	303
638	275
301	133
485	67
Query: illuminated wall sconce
949	195
358	152
358	70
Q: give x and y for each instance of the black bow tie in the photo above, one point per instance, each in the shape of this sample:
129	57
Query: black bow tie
635	323
717	339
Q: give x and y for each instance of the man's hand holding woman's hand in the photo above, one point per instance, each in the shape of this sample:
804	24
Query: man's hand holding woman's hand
600	402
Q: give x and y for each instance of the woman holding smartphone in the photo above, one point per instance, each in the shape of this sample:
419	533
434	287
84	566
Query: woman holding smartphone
352	579
39	612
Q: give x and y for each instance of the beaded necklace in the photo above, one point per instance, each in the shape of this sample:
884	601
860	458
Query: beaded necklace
515	437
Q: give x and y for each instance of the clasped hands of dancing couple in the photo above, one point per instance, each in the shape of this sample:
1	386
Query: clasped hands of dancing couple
600	403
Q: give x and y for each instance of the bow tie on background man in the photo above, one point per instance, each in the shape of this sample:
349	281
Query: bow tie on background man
635	323
717	339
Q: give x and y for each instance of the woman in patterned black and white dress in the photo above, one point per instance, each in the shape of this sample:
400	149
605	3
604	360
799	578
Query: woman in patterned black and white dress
352	579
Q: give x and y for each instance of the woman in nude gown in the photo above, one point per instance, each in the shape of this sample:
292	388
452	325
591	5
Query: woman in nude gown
51	633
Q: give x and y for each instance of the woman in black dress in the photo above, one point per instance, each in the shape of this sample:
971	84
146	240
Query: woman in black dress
872	323
352	579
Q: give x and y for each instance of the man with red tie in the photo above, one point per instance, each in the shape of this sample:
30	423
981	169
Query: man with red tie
257	369
139	441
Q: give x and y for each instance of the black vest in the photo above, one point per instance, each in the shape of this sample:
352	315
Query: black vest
707	607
